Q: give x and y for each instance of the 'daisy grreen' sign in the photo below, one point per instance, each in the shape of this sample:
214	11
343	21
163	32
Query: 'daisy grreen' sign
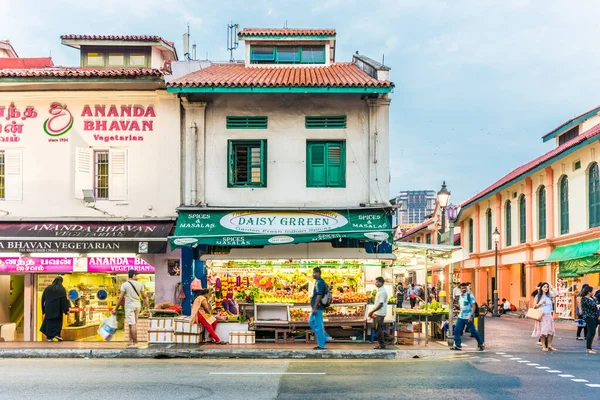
265	227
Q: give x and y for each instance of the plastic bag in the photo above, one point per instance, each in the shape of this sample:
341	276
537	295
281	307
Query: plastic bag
108	328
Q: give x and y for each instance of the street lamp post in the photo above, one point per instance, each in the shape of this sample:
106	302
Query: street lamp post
452	214
496	239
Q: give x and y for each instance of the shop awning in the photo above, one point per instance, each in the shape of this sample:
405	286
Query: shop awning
579	267
574	251
266	227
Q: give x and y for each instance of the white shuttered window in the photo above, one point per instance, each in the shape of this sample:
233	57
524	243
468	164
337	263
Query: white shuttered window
102	171
12	175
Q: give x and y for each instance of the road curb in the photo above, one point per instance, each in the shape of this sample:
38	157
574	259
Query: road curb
198	353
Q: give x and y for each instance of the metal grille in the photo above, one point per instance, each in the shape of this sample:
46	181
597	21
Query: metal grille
2	174
101	175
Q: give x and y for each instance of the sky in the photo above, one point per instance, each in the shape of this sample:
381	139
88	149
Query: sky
477	82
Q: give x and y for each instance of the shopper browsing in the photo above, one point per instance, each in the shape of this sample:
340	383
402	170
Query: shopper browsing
545	329
465	317
580	327
132	292
400	293
589	309
316	316
413	295
379	312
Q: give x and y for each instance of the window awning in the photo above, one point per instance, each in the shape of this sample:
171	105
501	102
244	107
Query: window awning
266	227
574	251
579	267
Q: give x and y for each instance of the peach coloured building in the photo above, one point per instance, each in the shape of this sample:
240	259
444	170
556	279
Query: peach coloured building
548	215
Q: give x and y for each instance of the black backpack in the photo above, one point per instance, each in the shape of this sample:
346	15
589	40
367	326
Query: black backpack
475	306
326	299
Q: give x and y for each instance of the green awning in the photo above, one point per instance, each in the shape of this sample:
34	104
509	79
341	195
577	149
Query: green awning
264	227
574	251
579	267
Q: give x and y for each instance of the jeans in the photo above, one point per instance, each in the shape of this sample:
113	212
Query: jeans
378	326
316	324
591	324
460	324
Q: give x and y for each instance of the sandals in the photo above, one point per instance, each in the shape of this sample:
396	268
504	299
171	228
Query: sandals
545	349
589	351
551	348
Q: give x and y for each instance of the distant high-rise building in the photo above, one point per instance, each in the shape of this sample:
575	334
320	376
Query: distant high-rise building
415	206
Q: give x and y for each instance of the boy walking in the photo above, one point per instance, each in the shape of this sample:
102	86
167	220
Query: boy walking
466	301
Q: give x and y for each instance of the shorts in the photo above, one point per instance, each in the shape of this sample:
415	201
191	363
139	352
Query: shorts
131	315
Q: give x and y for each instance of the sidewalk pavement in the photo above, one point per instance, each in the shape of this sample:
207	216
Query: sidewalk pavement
500	334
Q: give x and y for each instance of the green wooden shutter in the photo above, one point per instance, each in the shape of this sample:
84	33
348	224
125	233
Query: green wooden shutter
231	163
336	165
263	163
316	164
542	213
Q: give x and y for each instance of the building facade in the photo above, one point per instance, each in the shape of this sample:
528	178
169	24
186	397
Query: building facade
415	207
276	144
89	177
548	216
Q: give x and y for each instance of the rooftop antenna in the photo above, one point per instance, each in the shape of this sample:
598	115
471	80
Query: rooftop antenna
232	42
194	51
383	59
186	44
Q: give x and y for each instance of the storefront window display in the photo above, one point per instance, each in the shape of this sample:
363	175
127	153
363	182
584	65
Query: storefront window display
92	297
567	289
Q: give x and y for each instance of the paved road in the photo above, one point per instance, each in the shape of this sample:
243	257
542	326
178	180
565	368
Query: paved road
513	368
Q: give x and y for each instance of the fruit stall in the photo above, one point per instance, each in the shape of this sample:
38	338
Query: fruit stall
274	296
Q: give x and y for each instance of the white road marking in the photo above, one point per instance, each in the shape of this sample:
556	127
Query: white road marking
553	371
515	358
543	367
524	361
507	355
500	353
567	376
533	365
579	380
592	385
267	373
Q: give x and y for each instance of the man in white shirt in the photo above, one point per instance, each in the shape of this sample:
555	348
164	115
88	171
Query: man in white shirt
132	292
504	307
380	311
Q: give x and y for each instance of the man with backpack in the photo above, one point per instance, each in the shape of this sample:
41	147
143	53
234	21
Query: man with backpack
466	302
132	292
321	299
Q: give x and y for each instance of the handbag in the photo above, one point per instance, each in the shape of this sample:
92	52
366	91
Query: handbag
535	314
580	323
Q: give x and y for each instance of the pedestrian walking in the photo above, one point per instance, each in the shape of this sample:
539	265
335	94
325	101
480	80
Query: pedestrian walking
379	312
589	311
316	316
54	306
412	295
400	293
132	293
466	302
581	326
536	323
456	293
543	301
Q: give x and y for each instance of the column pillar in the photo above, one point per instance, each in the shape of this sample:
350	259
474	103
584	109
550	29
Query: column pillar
528	210
193	151
549	202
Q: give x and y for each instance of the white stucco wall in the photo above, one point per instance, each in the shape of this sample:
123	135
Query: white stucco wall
286	148
48	168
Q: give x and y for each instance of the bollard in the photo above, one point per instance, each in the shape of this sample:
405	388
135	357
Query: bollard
481	325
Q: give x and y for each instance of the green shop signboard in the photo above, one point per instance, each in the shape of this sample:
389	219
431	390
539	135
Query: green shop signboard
256	228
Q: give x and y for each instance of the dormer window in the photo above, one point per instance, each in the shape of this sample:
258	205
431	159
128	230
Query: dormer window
260	54
115	58
568	135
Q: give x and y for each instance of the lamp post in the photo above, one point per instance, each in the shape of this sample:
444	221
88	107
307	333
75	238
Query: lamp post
452	212
496	239
443	197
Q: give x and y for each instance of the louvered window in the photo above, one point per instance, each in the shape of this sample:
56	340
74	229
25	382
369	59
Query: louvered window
326	164
287	54
594	196
542	213
325	122
508	223
246	122
564	205
247	163
522	219
488	228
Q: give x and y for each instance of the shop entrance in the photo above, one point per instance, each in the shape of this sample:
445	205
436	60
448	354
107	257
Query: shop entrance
92	297
12	301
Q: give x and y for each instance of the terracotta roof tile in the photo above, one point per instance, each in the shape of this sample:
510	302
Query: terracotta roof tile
73	72
285	32
239	75
127	38
594	131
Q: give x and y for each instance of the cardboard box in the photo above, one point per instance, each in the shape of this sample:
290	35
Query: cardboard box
406	338
186	338
183	325
240	337
161	337
161	324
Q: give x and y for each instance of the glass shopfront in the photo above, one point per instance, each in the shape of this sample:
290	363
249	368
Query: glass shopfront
92	297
